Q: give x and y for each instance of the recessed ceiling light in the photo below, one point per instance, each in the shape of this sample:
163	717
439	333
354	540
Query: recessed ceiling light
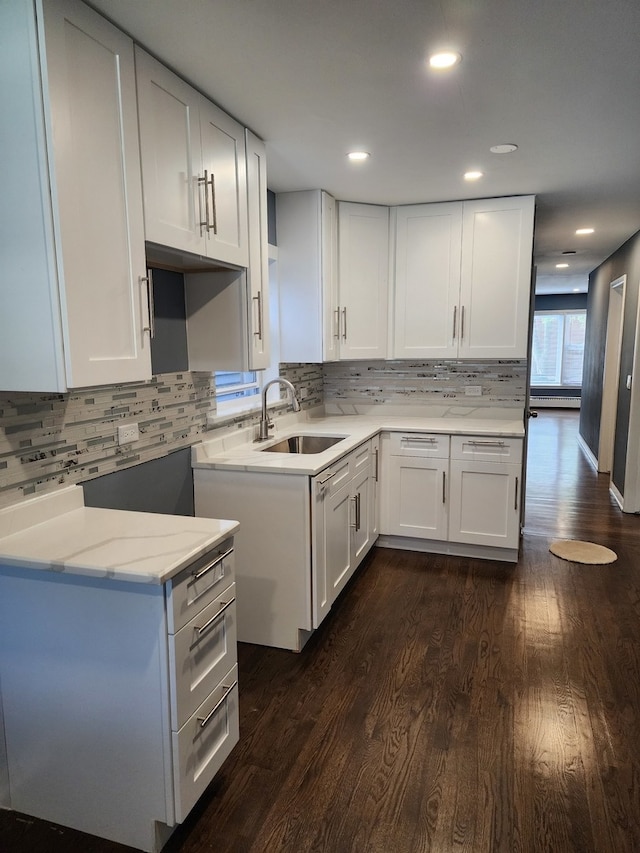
561	266
585	231
444	59
576	290
358	156
504	148
473	176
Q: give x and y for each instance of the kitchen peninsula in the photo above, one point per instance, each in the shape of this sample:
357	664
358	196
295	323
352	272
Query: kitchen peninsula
118	664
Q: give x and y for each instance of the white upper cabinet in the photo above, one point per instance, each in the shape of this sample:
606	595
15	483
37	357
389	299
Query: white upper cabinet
463	279
363	274
193	168
74	301
495	284
258	271
427	281
308	276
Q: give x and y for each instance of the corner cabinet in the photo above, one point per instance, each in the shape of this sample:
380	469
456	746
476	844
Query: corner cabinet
463	279
74	298
363	275
452	494
193	168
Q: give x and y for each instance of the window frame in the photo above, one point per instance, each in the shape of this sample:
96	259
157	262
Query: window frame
563	313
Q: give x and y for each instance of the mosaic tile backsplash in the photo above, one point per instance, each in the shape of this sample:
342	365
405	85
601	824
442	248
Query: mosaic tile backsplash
502	383
51	440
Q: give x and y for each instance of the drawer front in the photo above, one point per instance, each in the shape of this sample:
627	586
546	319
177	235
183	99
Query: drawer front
204	742
486	449
200	654
198	584
419	444
361	457
335	476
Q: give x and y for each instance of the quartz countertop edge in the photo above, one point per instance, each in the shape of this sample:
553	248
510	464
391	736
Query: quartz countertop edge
122	545
247	455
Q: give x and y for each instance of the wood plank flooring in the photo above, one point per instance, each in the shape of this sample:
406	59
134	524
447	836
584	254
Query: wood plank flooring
445	705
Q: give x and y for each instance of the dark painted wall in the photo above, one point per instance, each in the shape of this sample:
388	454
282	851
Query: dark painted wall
161	485
560	301
626	260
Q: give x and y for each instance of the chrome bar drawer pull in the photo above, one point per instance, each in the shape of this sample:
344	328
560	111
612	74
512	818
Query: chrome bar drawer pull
215	618
197	575
344	324
444	487
327	478
207	222
515	502
487	443
227	688
258	299
455	321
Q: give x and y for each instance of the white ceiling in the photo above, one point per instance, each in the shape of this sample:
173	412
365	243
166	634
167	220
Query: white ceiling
560	78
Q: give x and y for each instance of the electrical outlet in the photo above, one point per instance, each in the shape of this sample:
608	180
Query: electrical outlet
128	433
303	392
473	390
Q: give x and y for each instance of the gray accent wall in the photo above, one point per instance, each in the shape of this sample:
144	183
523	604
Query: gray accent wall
626	260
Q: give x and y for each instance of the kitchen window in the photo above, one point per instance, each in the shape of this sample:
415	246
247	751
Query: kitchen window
558	349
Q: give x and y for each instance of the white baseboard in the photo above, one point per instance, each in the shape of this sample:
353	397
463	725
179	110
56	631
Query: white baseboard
591	459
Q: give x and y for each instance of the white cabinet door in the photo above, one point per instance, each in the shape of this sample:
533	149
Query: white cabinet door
361	520
258	270
193	166
495	290
74	307
427	280
224	182
338	520
363	267
417	497
485	503
307	276
169	111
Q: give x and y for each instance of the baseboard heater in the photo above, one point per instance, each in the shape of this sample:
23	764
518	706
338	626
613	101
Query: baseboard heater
554	402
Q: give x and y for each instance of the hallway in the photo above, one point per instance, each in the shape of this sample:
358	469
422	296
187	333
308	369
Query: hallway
445	705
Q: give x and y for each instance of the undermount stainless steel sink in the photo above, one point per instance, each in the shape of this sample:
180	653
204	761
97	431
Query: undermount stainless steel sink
304	444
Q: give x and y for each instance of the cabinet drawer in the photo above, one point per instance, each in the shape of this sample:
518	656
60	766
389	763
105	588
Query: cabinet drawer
199	584
486	449
419	444
200	654
360	458
204	742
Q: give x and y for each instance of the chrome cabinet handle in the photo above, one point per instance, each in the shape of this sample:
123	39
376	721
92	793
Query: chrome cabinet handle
477	443
206	224
227	688
197	575
420	439
225	606
462	323
259	300
337	324
376	454
326	479
444	487
344	324
356	504
455	318
148	279
515	502
214	208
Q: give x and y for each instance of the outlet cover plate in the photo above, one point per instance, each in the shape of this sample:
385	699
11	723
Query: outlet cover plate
128	433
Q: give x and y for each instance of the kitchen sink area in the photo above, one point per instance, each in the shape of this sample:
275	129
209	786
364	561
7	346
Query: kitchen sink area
304	444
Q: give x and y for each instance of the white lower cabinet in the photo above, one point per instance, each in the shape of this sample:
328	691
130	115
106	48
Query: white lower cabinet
459	494
486	477
342	526
303	538
121	730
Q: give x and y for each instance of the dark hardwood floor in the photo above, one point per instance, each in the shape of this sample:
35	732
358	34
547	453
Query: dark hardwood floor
445	705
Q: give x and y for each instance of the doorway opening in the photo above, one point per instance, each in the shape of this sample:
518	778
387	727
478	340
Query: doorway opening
611	377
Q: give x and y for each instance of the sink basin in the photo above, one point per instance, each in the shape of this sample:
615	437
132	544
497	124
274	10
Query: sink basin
304	444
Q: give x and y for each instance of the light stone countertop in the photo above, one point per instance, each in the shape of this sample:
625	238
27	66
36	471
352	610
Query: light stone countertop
56	532
237	450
